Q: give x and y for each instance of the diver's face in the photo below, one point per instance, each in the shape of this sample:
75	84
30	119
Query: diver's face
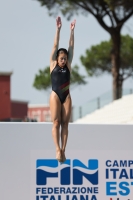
62	59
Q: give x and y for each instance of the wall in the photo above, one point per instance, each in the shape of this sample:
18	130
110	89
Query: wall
5	105
18	109
22	143
40	113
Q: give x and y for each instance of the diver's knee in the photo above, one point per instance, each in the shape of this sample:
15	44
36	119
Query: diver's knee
64	124
56	123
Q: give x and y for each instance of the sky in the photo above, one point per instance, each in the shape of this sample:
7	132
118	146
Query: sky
26	39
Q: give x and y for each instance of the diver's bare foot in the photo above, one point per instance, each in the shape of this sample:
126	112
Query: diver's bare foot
59	155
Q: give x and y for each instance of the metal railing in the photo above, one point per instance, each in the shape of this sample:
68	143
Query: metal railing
94	104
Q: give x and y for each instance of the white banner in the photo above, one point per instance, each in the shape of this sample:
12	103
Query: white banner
86	175
99	163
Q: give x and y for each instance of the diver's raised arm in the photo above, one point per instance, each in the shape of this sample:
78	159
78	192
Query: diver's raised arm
56	40
71	42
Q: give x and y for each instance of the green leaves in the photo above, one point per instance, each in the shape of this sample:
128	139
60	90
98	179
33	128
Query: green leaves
97	59
70	7
76	78
42	80
127	52
126	57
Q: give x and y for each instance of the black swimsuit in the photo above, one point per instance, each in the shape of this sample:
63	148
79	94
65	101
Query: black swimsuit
60	78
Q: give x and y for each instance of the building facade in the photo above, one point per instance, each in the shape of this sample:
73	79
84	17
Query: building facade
39	112
10	110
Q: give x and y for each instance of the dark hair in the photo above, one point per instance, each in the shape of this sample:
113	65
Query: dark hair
61	50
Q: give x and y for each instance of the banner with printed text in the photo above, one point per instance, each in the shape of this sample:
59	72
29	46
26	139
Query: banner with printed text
85	175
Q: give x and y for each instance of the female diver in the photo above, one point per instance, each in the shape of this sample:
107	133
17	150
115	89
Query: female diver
60	99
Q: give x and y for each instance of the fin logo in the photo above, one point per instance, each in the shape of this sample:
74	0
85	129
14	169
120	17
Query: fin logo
50	168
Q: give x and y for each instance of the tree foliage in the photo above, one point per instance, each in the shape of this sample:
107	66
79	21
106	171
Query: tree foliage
76	77
97	59
118	11
42	80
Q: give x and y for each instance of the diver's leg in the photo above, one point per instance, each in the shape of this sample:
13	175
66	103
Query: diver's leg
55	108
65	117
